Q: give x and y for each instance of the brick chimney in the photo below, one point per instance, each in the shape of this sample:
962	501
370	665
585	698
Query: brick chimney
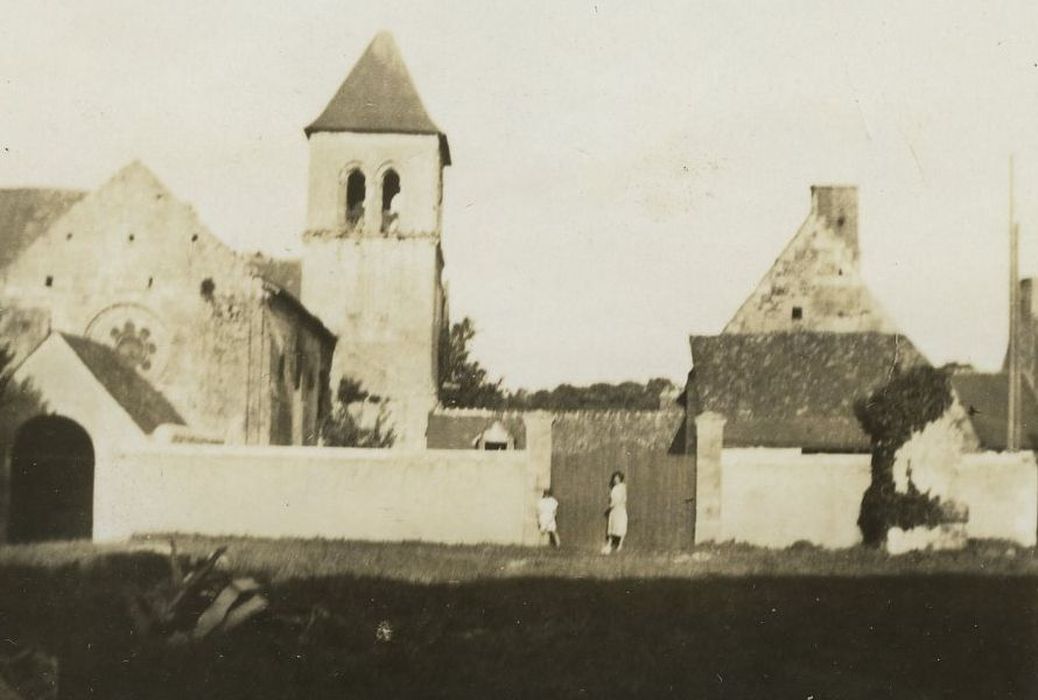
838	205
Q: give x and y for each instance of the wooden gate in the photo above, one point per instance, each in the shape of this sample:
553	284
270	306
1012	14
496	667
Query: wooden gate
660	489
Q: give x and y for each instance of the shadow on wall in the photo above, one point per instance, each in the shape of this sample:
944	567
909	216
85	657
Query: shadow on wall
51	481
19	403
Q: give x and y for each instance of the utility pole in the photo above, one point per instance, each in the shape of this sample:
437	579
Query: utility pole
1013	369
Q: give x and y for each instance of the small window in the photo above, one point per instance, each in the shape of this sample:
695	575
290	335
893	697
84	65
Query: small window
281	367
49	281
68	236
390	189
798	313
194	237
207	288
356	192
131	238
151	281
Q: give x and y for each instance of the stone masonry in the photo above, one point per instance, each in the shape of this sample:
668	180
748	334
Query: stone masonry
815	284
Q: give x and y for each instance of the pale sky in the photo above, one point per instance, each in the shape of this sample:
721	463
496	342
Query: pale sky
624	173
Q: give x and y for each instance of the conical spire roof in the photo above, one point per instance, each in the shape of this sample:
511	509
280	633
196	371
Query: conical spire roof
378	96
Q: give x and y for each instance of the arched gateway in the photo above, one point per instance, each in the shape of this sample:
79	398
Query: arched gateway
52	481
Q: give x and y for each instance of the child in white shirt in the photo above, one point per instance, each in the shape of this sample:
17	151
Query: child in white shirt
547	508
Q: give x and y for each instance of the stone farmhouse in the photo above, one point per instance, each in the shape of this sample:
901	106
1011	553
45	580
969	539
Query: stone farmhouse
811	339
770	403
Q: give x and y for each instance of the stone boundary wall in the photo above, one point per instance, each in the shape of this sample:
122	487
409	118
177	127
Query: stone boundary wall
774	497
448	496
1001	492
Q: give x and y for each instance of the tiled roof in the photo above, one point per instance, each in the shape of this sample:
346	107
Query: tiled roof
459	432
378	96
793	389
573	432
146	405
25	214
301	312
576	432
985	397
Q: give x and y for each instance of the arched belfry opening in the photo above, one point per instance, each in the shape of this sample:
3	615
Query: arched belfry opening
52	481
356	192
390	190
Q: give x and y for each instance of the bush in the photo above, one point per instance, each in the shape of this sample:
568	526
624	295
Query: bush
907	403
345	427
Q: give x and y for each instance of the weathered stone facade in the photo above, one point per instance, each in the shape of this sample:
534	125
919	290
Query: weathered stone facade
227	338
372	266
132	267
815	284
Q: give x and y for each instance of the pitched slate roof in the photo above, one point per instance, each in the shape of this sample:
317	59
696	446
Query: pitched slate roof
280	294
25	214
451	431
146	405
625	431
985	397
379	96
793	389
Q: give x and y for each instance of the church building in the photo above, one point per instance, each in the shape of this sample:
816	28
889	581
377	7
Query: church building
236	348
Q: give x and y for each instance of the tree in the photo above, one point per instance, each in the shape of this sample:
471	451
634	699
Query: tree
18	400
463	382
909	401
630	396
349	424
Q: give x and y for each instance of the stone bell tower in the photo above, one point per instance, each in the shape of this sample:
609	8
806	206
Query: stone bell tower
372	262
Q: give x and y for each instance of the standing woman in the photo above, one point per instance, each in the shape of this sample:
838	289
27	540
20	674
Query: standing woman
616	529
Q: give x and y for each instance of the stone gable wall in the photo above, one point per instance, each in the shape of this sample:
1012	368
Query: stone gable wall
815	283
131	263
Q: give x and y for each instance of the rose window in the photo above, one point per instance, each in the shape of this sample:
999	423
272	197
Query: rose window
133	345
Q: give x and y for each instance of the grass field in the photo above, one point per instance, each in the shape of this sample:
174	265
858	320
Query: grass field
729	622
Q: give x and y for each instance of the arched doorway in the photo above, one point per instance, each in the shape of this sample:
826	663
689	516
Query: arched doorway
52	481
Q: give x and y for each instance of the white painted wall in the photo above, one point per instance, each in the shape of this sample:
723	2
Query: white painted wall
450	496
1001	492
773	498
69	389
934	453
